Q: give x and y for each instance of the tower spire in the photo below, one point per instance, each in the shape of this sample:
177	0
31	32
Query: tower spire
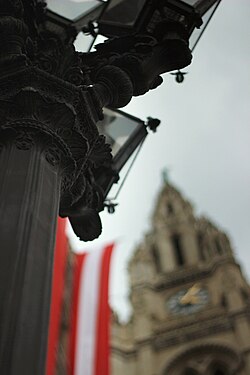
165	175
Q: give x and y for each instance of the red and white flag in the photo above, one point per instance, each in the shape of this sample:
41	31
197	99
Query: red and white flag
90	320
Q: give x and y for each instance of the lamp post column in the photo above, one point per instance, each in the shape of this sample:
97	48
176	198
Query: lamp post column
48	143
30	182
47	147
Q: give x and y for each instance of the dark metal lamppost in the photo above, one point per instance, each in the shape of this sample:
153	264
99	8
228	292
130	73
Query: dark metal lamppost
53	159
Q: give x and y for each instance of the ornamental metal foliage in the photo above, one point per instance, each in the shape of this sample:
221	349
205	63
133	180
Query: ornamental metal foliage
53	96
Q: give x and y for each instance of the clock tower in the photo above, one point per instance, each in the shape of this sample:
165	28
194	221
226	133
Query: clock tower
190	300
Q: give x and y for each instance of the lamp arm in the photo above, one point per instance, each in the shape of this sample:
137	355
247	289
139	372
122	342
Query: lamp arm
143	58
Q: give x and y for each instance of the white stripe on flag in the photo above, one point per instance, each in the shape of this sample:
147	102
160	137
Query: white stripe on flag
87	314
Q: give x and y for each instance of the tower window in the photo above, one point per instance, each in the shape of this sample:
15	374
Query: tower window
219	369
170	208
156	258
219	372
200	239
178	250
190	372
218	246
224	302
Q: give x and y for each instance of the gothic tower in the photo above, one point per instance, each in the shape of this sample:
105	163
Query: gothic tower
191	302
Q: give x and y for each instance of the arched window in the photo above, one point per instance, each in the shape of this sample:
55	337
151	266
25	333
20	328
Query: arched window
170	208
219	369
224	302
206	359
190	371
218	246
178	250
156	258
219	372
201	249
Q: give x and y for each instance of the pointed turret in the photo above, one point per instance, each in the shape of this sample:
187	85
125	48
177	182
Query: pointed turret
190	300
178	238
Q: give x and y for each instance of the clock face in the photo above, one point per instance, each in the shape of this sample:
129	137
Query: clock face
188	301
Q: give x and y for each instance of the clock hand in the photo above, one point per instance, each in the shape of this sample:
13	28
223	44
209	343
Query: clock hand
194	289
191	296
189	299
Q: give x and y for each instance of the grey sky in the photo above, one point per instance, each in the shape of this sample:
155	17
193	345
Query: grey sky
203	139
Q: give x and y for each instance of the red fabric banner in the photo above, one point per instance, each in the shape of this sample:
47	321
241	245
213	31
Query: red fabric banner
78	266
104	314
60	260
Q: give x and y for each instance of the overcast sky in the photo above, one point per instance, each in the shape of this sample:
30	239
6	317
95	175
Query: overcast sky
203	139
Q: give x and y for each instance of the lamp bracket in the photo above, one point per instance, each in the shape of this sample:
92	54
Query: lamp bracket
142	58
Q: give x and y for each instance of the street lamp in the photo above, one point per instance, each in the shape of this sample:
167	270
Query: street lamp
53	159
124	133
123	17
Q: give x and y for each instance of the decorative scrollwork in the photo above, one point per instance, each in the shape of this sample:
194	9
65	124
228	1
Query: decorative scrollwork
61	60
30	119
65	133
53	155
24	140
101	153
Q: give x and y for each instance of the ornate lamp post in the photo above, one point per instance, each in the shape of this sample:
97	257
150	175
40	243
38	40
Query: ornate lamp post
51	98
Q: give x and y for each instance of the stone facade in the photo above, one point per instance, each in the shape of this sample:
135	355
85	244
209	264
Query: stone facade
191	302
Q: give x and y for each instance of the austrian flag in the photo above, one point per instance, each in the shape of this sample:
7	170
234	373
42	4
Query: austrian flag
90	317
